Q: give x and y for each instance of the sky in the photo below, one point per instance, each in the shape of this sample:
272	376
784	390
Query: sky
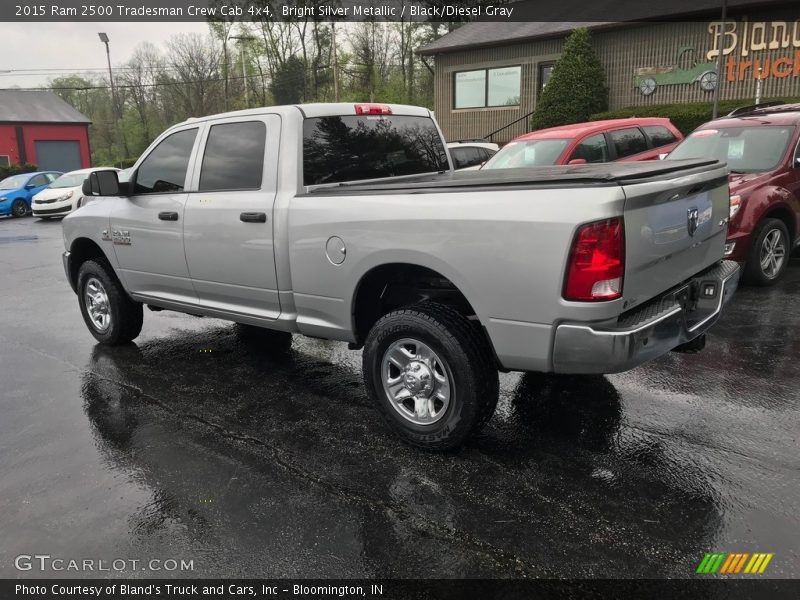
74	47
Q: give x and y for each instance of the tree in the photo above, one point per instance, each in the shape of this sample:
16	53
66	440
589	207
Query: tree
577	88
287	82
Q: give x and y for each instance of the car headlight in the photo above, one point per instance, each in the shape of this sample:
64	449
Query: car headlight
736	204
65	196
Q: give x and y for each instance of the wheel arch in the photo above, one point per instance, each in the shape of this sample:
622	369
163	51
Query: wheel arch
388	285
81	250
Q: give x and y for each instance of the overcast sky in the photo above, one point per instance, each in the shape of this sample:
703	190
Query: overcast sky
74	46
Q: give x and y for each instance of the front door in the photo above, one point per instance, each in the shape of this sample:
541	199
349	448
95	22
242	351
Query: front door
228	228
147	227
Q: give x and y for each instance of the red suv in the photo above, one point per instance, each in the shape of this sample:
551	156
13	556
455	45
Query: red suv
596	141
761	145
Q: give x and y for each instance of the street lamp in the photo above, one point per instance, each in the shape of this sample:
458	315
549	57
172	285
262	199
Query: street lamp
104	38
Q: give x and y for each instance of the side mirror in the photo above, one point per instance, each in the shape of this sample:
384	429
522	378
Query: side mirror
101	183
29	186
577	161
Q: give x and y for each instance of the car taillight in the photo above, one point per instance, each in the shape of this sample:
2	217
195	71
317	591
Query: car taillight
596	262
736	204
373	109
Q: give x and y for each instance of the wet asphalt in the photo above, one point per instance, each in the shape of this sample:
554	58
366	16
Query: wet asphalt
192	444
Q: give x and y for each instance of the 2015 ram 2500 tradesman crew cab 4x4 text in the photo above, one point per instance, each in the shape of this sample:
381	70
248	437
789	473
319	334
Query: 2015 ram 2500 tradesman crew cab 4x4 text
346	222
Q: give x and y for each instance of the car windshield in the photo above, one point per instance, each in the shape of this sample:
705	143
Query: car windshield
12	183
754	149
69	180
530	153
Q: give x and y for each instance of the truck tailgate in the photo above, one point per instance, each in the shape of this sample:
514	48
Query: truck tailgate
674	227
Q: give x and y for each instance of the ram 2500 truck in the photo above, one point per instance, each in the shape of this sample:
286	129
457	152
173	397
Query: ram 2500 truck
346	222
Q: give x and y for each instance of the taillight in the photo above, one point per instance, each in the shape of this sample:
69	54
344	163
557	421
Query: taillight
596	262
736	204
373	109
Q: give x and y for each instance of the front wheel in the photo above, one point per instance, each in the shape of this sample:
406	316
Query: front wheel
769	253
432	374
111	316
19	208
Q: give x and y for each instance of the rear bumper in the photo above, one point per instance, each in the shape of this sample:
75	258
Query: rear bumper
649	331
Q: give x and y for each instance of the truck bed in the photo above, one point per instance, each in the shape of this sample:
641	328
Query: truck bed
600	174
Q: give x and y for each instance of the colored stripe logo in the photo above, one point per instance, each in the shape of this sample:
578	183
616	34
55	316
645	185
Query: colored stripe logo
732	563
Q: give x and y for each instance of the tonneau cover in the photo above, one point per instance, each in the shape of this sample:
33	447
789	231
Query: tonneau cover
615	173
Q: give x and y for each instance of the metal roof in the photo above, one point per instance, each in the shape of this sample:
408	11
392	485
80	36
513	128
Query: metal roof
20	106
541	19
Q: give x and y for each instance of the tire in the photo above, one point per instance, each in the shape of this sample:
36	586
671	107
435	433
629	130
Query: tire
447	356
767	231
99	286
277	342
19	208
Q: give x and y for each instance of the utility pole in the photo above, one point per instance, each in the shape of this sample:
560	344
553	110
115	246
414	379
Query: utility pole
720	59
104	38
244	38
335	63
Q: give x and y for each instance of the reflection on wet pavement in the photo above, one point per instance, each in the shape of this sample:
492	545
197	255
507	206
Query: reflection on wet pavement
195	444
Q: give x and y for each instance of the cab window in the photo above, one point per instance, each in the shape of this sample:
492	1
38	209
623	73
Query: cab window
164	169
234	157
659	135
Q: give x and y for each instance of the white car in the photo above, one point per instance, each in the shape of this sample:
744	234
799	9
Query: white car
469	154
64	195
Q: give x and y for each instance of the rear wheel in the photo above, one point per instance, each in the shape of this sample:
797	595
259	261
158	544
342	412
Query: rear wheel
111	316
19	208
769	253
432	374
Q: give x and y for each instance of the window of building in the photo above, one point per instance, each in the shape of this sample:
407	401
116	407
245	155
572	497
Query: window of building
351	148
659	135
234	157
487	87
593	149
545	71
628	142
164	169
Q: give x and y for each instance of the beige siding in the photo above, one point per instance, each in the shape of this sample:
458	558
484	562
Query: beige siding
621	51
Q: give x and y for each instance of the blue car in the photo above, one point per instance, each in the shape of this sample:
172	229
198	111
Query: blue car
17	191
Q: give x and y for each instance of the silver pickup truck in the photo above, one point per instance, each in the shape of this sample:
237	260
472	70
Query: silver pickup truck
346	222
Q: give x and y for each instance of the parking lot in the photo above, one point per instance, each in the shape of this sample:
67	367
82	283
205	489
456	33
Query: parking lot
194	445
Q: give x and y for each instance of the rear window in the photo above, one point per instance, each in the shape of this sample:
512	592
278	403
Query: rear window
351	148
628	142
659	135
745	149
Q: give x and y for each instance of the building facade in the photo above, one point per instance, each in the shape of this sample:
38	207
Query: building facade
40	128
489	76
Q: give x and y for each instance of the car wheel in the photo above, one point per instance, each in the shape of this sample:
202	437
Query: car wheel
19	208
769	253
111	316
432	374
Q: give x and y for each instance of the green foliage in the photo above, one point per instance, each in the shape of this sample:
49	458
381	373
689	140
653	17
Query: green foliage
125	163
577	86
288	82
686	117
17	169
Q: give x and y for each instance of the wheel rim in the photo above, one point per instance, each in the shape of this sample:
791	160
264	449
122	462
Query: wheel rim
417	382
95	299
19	209
773	253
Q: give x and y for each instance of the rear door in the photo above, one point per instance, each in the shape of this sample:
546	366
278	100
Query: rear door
674	228
228	229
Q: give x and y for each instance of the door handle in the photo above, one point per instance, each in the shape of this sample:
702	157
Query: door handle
168	216
253	217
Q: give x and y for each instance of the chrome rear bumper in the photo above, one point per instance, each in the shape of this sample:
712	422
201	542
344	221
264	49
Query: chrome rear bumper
647	332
